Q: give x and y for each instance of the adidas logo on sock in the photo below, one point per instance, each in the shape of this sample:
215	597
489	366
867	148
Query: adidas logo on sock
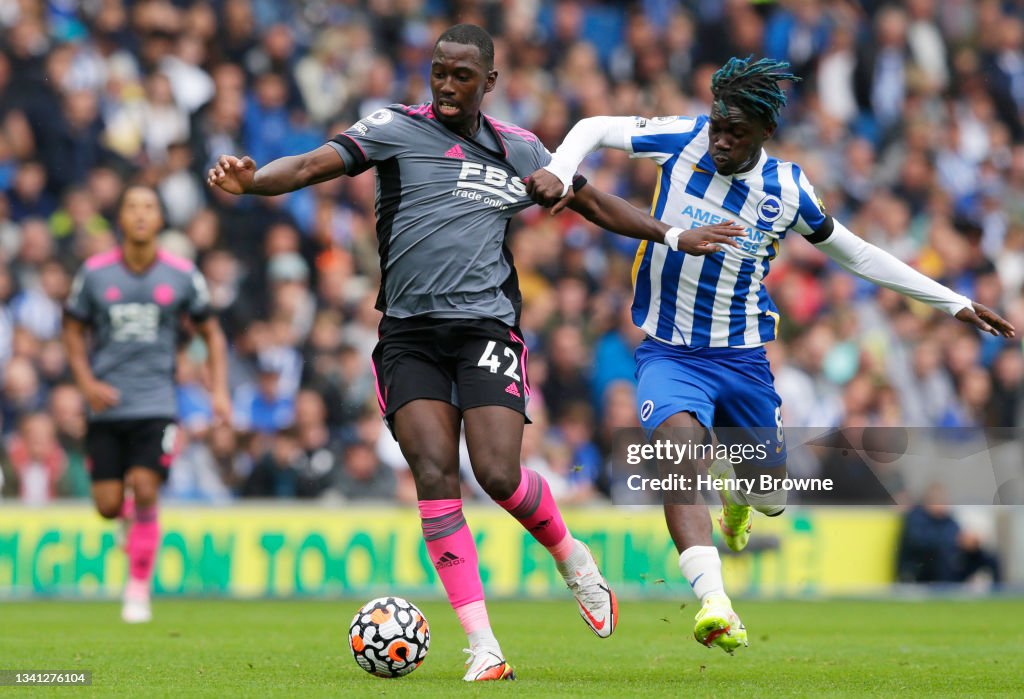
455	152
512	389
540	525
447	560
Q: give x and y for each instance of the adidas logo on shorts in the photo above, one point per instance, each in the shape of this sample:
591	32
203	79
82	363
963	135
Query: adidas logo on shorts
513	390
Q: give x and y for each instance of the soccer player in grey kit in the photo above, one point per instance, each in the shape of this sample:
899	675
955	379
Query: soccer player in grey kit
132	299
449	178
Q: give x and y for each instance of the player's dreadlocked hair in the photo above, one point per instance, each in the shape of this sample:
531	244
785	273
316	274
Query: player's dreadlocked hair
474	35
752	86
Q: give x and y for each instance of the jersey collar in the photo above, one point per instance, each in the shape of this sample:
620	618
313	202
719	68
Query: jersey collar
485	122
489	125
756	170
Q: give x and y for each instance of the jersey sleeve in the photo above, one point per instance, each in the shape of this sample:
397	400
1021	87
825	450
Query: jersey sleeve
198	298
541	156
79	303
372	139
810	221
659	138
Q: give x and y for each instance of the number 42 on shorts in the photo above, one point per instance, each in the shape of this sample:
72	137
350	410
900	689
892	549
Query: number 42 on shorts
490	360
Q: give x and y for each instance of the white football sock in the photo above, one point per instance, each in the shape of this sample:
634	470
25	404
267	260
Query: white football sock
771	504
483	639
576	560
702	568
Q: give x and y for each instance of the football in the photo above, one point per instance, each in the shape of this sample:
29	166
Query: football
389	637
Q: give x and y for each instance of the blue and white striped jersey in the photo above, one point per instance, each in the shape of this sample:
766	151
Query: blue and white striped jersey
716	300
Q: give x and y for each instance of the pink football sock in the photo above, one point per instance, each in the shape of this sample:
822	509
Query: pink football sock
536	510
142	544
453	551
473	616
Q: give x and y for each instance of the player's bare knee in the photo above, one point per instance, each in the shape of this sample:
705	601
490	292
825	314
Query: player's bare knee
146	497
434	482
109	509
498	482
145	487
108	497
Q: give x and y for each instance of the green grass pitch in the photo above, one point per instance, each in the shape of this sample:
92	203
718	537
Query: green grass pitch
214	648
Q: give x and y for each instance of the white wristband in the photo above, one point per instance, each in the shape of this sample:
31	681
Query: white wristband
672	238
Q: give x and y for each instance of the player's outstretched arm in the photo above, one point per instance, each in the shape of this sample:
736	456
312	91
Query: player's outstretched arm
551	183
99	395
241	176
217	363
619	216
876	265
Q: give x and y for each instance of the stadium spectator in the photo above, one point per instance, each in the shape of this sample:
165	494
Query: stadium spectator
934	548
323	452
567	379
363	476
22	392
259	406
574	431
37	461
195	473
232	456
28	195
181	194
613	355
276	473
67	408
37	308
881	75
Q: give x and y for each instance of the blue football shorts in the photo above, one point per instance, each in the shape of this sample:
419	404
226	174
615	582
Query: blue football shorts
730	390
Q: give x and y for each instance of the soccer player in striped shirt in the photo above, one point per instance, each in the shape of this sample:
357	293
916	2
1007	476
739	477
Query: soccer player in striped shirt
702	366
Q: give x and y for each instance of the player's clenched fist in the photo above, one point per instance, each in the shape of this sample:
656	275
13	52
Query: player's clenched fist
233	175
546	189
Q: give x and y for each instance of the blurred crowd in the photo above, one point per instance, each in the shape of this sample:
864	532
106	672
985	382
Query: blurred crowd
909	121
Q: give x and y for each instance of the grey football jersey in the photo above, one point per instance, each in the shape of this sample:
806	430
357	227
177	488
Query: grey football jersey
135	320
443	208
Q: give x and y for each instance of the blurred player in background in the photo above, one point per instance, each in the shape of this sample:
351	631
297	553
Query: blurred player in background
131	301
450	351
702	366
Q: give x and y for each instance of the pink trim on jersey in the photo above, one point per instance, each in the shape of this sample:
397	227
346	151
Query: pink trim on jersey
503	127
524	359
421	110
171	260
357	144
104	259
